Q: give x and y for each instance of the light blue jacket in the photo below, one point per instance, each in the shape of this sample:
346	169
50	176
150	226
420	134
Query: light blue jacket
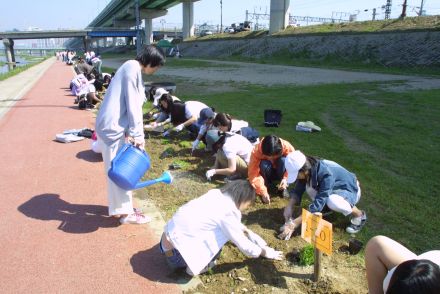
120	113
328	177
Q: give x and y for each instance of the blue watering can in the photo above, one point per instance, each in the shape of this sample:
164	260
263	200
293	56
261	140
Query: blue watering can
128	167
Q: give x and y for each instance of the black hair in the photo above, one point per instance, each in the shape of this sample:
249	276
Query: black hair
151	93
271	146
177	112
415	276
306	169
169	99
223	119
151	55
220	142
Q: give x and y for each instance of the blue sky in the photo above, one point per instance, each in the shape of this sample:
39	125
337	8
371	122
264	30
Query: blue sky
51	14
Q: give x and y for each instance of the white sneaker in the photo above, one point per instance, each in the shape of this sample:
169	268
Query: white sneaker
357	223
135	218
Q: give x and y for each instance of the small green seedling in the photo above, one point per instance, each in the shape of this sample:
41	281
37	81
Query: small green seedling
306	255
185	144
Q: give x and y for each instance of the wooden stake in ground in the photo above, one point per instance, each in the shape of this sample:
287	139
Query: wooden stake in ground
319	233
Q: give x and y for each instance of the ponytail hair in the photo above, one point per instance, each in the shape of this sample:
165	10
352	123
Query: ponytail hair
224	120
169	100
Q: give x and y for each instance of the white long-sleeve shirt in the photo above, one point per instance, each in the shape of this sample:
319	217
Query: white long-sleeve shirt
121	111
200	228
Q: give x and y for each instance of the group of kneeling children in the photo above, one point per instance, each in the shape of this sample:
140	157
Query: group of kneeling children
194	236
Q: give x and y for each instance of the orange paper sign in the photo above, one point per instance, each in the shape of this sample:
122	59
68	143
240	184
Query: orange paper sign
317	231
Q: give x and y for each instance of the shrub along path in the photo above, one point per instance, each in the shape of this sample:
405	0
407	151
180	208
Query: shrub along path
56	236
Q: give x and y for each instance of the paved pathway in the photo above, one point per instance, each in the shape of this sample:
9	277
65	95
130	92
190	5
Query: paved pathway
270	74
55	235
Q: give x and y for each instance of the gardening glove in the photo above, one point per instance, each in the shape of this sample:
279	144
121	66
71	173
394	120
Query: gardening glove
195	144
179	128
166	134
283	185
265	199
272	253
255	238
287	230
209	174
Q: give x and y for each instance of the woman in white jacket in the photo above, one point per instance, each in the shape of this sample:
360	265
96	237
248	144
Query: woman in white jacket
195	235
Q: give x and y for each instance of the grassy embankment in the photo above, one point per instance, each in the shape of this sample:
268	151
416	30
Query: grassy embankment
358	63
33	60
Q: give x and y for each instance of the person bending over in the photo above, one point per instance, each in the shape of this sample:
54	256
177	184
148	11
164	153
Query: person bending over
267	166
233	153
195	235
182	114
327	184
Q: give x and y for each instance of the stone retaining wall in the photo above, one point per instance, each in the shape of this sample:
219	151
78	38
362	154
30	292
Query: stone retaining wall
421	48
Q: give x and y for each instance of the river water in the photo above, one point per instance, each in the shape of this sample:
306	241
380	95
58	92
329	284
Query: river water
5	68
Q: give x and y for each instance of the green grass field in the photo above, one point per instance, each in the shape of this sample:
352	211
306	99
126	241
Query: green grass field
390	140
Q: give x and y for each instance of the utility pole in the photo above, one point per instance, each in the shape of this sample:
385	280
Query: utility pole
421	8
221	16
388	9
374	14
138	29
404	9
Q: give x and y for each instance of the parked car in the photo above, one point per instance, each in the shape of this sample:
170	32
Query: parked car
228	30
205	33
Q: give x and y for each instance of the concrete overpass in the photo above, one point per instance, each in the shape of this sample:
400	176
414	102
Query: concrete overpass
86	34
129	13
116	19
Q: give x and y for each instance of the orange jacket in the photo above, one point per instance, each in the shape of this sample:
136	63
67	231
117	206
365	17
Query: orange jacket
257	180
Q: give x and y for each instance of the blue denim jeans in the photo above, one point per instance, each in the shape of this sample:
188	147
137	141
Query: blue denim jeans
173	257
271	173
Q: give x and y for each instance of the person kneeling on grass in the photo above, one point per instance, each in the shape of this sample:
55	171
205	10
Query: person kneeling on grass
266	166
158	112
327	184
196	233
393	268
183	115
233	152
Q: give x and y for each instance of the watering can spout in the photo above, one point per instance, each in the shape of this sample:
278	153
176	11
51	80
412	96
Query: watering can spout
164	178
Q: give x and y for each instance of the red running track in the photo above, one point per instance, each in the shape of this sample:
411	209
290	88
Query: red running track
55	235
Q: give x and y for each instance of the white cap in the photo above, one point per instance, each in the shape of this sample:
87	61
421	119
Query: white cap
293	163
159	92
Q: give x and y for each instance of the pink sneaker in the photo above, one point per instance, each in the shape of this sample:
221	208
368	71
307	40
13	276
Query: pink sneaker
135	218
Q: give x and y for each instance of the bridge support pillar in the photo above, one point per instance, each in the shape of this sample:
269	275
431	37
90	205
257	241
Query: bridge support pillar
148	31
279	15
188	18
9	52
86	43
148	15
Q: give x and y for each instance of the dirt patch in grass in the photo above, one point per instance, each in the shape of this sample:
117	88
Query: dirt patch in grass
235	273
